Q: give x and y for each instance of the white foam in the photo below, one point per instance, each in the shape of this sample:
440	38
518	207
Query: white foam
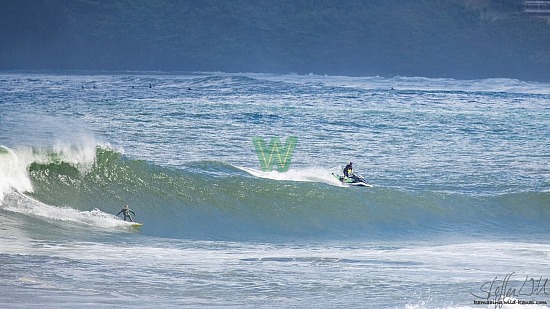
13	173
24	204
15	163
320	175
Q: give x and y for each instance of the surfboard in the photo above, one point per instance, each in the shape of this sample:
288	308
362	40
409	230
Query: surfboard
136	224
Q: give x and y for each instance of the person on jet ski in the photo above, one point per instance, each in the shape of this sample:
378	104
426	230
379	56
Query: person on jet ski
348	170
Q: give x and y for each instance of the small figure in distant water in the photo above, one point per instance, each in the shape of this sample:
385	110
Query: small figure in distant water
82	87
150	86
126	212
348	170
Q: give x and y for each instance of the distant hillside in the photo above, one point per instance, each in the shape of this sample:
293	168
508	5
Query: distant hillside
432	38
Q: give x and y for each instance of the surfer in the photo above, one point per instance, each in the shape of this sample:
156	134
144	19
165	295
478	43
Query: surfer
126	212
348	170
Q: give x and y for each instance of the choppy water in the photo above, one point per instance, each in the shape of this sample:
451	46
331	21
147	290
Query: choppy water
461	196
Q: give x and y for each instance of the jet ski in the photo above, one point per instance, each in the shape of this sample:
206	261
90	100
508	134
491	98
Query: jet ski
353	180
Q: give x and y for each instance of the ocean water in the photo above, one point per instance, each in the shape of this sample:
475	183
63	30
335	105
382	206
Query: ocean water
458	216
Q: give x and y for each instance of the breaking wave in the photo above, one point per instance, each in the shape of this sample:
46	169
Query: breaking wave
216	200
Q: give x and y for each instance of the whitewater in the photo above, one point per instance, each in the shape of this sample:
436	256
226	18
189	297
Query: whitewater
457	218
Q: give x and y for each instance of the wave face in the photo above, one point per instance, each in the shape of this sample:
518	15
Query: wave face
216	200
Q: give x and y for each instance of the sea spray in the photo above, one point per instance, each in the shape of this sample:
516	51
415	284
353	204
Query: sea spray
13	172
16	163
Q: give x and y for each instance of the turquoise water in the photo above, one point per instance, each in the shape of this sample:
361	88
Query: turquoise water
460	171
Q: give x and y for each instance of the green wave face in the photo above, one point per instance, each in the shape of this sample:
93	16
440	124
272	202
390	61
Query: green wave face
215	200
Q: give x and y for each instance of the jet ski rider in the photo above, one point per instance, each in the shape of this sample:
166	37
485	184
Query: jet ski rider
348	170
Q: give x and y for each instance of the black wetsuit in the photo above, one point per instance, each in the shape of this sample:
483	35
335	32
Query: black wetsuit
126	212
348	170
